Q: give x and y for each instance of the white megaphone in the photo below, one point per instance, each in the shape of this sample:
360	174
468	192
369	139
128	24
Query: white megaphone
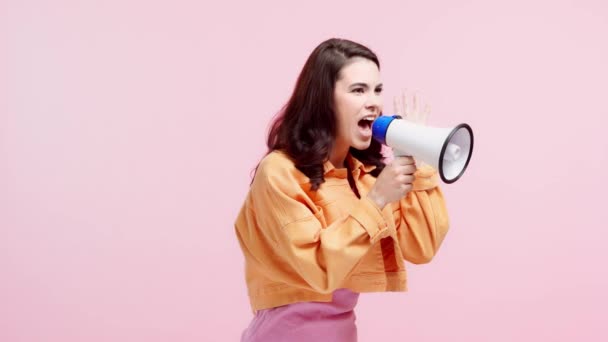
448	150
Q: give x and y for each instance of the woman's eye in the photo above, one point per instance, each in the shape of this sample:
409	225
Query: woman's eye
358	90
379	90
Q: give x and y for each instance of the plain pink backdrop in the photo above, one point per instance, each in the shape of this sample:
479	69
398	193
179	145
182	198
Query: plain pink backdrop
128	131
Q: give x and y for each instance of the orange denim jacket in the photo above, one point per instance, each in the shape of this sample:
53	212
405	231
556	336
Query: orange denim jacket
301	245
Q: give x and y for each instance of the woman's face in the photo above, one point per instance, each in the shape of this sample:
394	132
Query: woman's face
357	103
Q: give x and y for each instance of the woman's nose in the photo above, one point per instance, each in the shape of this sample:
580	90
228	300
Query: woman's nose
374	101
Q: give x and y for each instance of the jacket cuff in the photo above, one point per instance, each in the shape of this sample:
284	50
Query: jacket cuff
426	177
371	219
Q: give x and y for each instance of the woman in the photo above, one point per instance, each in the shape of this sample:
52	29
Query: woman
325	219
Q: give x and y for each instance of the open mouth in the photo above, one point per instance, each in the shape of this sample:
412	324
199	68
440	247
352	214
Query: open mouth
366	123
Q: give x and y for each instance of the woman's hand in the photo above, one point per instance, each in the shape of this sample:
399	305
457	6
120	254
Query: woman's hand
394	182
411	108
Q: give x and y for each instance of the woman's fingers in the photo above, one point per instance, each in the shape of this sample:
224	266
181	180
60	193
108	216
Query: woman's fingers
411	107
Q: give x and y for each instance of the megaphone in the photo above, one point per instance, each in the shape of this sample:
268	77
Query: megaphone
448	150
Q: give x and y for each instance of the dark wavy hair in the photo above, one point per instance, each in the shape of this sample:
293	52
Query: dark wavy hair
305	128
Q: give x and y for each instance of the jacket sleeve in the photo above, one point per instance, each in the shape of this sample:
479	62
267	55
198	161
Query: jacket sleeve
421	218
285	233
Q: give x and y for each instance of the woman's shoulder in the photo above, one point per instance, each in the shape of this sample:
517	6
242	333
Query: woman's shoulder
276	163
278	166
276	159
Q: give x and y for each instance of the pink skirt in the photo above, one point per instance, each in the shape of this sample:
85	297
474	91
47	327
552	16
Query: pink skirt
307	321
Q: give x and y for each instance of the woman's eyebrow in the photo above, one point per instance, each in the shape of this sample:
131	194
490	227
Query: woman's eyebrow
364	85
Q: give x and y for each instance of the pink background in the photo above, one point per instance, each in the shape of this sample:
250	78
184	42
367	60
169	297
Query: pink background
128	130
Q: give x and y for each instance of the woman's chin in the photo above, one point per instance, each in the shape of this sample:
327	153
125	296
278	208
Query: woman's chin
362	144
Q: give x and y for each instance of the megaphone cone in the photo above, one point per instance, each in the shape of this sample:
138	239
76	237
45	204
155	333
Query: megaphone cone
448	150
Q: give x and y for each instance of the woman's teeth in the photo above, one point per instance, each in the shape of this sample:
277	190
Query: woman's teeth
366	122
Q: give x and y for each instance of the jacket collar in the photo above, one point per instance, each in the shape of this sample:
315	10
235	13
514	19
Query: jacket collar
353	163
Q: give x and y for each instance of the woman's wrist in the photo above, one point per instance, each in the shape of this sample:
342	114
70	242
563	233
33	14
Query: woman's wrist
378	200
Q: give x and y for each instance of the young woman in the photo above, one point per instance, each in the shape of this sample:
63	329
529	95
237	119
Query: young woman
325	219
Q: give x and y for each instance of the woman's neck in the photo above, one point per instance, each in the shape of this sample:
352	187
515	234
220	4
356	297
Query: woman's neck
338	158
